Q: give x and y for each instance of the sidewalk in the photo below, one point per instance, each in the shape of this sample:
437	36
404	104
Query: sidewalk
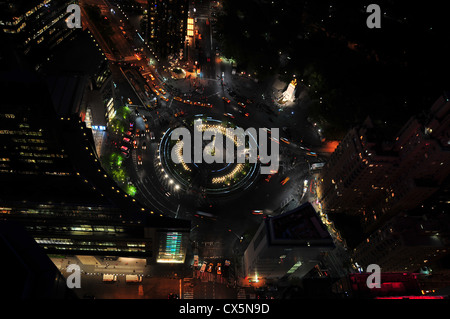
94	264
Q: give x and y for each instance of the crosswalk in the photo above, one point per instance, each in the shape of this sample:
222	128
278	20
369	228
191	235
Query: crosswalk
241	294
189	294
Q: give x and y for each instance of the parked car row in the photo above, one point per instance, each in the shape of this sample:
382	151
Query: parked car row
209	267
128	141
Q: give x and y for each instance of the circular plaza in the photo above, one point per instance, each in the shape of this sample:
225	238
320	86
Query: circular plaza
206	158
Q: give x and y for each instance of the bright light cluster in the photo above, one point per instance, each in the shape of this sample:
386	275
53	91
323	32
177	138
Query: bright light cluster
222	179
222	130
179	153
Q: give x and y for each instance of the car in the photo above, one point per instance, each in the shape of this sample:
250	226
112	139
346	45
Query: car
195	260
219	268
241	104
267	130
274	139
257	212
202	269
109	278
284	181
226	100
138	133
144	146
227	262
139	160
229	115
268	178
210	267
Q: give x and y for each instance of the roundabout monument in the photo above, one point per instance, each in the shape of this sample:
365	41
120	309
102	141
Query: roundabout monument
220	161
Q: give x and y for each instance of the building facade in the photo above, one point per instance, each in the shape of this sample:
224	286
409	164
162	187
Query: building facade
376	178
406	243
167	26
54	185
37	27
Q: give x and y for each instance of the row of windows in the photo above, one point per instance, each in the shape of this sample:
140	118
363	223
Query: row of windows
11	171
8	116
34	148
42	155
86	228
33	161
95	228
67	241
93	248
48	25
28	140
22	132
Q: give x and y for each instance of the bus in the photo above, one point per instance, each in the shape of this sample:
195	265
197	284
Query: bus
133	278
109	278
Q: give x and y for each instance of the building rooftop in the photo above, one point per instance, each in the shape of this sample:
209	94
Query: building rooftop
300	226
66	92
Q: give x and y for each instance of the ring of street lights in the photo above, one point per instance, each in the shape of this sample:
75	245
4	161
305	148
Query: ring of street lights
216	179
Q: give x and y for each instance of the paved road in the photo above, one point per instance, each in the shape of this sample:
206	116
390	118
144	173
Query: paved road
233	219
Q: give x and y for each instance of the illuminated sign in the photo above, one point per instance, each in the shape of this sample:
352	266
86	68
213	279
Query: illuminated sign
190	27
171	248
